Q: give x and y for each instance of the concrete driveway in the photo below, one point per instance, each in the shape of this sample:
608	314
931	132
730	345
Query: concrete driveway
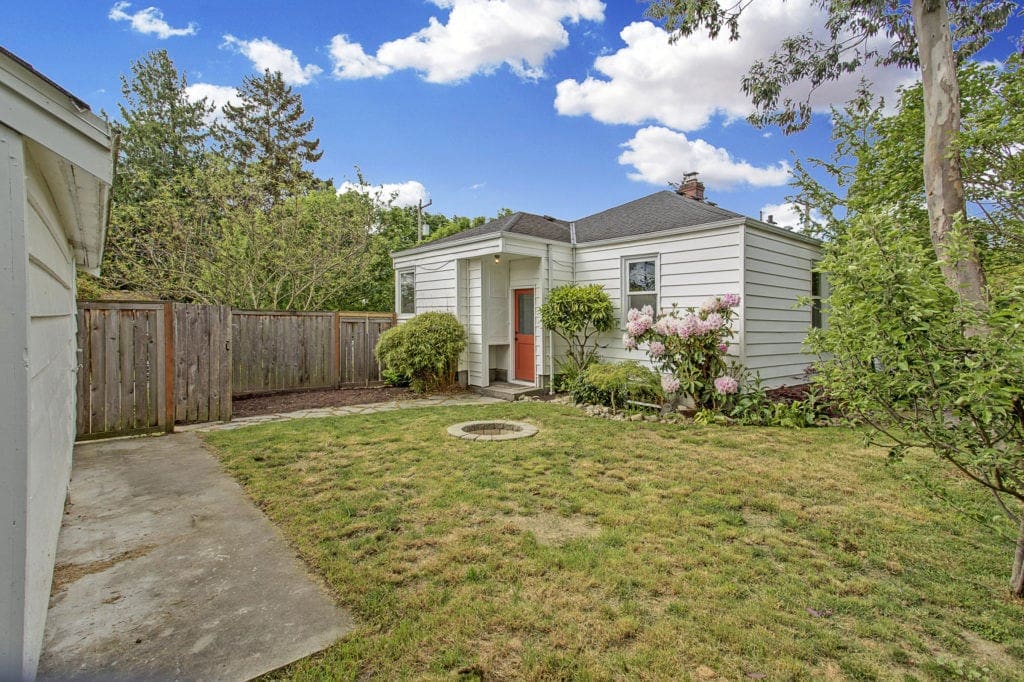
165	570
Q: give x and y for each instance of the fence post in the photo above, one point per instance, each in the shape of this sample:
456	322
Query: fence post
169	366
336	356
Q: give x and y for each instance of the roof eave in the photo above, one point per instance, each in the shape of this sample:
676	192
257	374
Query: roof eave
427	248
670	232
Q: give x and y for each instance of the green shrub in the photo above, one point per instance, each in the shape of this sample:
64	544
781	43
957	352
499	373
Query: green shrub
614	384
394	378
426	349
577	314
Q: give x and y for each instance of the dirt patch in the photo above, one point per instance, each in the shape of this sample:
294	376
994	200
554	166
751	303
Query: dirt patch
552	529
65	574
280	403
991	652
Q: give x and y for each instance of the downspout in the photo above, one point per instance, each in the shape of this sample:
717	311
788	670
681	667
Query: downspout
551	337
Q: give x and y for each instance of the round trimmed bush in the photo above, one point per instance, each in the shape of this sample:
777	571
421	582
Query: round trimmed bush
426	349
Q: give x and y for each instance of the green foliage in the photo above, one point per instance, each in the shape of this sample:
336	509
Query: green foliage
265	136
394	378
888	150
426	349
754	407
578	313
615	383
899	359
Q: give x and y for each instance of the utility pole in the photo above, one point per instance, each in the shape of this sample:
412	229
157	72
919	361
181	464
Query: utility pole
419	219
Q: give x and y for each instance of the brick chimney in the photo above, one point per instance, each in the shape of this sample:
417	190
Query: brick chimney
691	187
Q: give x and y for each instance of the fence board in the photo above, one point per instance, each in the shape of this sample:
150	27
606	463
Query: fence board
115	377
145	366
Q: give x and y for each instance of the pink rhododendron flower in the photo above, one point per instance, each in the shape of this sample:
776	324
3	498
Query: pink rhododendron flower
628	341
726	385
657	349
637	327
710	305
669	383
714	322
724	348
647	311
731	300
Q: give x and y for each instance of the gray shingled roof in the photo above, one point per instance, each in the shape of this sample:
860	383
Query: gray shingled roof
653	213
544	227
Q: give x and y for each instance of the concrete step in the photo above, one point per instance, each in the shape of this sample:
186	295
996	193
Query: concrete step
506	391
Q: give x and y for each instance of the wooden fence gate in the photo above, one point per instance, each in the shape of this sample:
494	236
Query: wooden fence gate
202	363
145	366
124	383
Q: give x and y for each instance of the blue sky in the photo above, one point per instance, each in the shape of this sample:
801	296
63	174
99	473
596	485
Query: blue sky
563	107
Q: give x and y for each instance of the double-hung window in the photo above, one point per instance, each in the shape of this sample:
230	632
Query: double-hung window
640	283
407	292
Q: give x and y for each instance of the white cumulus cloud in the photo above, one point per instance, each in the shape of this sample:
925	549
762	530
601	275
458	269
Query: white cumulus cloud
479	36
788	215
351	62
264	54
215	95
683	85
660	156
408	193
149	21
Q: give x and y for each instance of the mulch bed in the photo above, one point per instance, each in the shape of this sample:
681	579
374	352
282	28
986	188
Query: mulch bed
279	403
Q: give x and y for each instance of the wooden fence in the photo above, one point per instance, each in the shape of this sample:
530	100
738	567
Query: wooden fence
285	351
145	366
124	369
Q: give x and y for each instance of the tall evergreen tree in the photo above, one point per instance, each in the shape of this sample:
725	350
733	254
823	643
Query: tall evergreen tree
267	138
162	132
162	149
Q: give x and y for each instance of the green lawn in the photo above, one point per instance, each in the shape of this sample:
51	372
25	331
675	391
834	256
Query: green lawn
603	549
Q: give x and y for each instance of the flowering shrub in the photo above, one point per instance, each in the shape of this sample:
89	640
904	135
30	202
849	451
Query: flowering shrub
689	349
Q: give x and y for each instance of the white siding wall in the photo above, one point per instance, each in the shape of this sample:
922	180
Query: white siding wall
51	390
39	367
691	267
777	273
15	656
475	351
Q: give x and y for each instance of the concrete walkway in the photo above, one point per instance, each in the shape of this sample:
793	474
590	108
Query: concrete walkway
165	570
370	408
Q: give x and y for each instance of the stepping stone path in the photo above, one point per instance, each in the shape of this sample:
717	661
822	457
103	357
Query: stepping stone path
370	408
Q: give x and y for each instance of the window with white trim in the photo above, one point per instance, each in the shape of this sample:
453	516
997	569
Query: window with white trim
407	292
815	300
640	283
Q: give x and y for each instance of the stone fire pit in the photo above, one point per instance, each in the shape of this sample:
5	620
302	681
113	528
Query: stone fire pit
493	429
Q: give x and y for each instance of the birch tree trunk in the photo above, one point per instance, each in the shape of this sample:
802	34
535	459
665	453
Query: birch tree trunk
943	182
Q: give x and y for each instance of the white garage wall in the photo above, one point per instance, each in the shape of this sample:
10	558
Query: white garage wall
51	390
13	408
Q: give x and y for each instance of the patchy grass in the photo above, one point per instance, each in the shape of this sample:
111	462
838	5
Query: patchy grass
602	549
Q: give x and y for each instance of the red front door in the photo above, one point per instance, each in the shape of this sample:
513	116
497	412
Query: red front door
523	344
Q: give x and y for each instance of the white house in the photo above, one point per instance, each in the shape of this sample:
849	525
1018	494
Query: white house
663	249
56	169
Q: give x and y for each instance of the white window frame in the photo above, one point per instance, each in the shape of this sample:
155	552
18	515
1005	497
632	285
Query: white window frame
399	274
816	297
625	291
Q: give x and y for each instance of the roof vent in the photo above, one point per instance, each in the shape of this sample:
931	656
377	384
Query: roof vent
691	187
